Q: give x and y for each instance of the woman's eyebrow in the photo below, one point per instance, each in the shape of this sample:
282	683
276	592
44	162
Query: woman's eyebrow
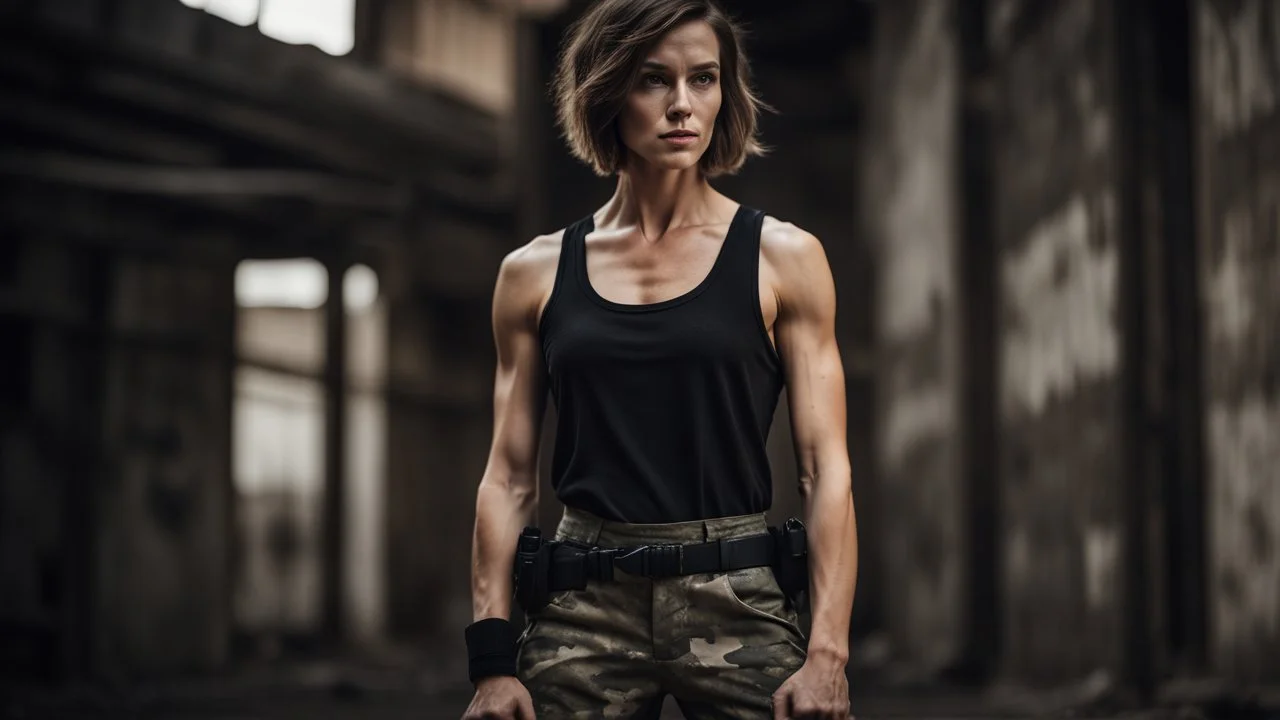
655	65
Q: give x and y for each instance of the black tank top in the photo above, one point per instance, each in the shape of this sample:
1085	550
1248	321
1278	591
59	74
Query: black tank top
663	409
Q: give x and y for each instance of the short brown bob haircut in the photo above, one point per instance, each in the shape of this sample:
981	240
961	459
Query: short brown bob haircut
601	59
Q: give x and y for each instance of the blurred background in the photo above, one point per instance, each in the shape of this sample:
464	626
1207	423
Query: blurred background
247	251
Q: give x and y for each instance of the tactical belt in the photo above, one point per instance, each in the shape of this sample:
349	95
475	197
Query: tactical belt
543	567
571	571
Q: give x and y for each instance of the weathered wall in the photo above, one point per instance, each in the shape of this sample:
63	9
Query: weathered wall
116	443
1056	227
161	500
49	403
115	424
439	418
1237	112
910	214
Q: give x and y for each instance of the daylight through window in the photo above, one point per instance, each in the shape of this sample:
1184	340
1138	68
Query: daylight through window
326	24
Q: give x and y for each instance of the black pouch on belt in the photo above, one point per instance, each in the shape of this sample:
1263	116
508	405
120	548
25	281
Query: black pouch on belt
791	562
532	567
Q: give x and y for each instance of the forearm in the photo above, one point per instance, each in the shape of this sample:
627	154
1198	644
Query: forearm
833	559
503	509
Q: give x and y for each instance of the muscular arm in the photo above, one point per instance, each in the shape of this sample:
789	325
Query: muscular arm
508	493
805	336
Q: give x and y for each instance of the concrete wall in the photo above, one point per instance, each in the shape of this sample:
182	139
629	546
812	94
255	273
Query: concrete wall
1056	227
116	440
440	368
160	502
49	437
910	216
116	513
1237	113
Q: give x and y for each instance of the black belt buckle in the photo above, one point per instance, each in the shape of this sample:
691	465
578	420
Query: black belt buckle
654	561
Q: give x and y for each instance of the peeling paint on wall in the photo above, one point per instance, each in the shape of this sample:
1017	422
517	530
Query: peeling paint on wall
1239	74
1102	564
1230	303
1097	119
917	253
926	412
1000	20
909	191
1056	222
1061	290
1238	65
919	217
1244	454
161	546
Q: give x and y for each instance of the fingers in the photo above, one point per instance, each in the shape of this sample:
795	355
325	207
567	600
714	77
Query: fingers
524	711
787	707
781	702
510	704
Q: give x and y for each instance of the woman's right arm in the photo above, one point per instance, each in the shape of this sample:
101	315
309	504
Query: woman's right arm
508	494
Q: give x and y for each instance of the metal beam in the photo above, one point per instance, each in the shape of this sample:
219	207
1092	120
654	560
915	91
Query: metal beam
237	119
110	134
138	225
287	81
494	196
112	176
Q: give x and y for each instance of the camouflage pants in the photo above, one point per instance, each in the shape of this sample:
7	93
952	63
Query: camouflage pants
720	643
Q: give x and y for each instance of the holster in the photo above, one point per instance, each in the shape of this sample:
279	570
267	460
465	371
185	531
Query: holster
791	562
532	567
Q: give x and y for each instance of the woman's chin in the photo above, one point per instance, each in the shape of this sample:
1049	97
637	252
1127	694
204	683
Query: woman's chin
673	161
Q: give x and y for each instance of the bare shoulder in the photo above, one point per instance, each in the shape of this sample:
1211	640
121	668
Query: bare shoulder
527	275
533	259
790	253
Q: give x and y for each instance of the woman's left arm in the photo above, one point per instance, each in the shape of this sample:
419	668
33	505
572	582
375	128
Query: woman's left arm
804	331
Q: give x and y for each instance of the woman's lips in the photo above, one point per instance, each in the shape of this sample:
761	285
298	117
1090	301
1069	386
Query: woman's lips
680	139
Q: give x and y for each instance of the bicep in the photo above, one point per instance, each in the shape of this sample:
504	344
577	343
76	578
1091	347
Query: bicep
519	397
811	356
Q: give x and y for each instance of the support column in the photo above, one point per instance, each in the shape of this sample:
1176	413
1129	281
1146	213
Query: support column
335	421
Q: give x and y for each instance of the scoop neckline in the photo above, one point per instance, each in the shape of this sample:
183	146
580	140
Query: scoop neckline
584	279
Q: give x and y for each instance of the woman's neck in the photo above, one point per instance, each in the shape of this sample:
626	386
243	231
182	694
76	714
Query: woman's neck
657	201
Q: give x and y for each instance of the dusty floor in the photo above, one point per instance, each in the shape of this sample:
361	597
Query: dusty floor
345	690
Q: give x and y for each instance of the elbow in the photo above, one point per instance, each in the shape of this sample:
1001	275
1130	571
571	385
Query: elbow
824	478
806	484
514	490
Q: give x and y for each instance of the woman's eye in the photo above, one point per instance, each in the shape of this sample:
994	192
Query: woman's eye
654	80
705	79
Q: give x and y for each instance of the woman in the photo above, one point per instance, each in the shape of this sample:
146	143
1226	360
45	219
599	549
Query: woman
665	325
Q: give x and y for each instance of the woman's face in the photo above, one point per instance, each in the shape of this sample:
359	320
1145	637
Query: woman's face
670	111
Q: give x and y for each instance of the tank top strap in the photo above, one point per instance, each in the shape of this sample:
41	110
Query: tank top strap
573	253
742	247
575	237
566	267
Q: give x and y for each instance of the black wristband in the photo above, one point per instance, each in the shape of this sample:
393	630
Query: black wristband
491	648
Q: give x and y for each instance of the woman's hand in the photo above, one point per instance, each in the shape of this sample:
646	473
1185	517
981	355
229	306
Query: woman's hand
819	690
500	698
